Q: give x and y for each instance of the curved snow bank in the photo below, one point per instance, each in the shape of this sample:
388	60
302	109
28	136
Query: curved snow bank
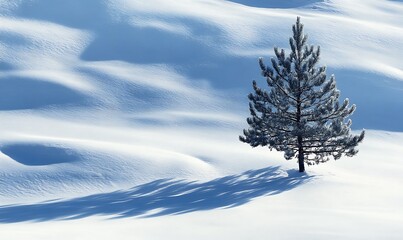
39	172
39	155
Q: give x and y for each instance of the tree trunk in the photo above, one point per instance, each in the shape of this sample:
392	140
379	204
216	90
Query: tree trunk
299	105
301	162
300	155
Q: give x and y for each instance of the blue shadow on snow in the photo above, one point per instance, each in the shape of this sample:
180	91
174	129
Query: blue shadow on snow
39	155
161	197
276	3
119	40
24	93
379	99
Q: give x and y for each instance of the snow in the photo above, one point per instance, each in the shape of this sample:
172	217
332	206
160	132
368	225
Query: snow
124	116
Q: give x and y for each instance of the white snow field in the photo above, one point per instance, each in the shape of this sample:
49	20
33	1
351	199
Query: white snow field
119	119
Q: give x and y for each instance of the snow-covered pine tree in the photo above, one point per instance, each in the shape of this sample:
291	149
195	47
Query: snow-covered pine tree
300	114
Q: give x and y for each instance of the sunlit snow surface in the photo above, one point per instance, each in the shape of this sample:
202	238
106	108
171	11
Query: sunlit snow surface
125	109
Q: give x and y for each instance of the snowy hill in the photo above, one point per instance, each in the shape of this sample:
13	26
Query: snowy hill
131	110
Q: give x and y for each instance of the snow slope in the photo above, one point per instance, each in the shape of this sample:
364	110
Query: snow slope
131	110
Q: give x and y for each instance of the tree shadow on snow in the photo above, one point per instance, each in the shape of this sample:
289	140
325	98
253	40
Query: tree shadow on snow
162	197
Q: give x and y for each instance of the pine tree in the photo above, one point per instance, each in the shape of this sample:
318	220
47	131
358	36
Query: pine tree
300	115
